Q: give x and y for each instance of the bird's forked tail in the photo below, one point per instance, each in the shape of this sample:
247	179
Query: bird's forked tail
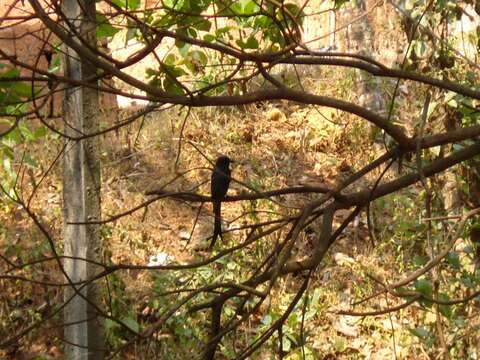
217	227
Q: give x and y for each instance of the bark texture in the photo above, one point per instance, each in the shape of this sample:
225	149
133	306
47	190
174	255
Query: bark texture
81	195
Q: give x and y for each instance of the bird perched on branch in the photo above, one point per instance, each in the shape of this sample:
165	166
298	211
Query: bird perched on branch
219	187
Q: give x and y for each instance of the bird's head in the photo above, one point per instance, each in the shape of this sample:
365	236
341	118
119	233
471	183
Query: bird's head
223	162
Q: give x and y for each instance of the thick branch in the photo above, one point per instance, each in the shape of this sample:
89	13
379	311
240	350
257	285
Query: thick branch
437	166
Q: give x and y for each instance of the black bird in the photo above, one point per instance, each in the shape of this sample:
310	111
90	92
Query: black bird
219	187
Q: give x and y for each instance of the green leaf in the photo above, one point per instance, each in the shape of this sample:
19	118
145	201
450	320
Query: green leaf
131	323
340	344
165	22
420	332
8	74
6	151
224	30
420	48
197	6
195	61
431	108
419	261
294	13
293	320
181	44
127	4
13	138
174	4
191	32
31	162
198	56
453	259
315	298
22	89
467	280
190	66
424	287
133	4
208	38
236	8
120	3
110	325
172	87
155	82
183	50
250	7
340	3
171	59
149	72
251	43
56	65
104	28
9	170
445	310
202	25
25	131
40	132
174	71
262	22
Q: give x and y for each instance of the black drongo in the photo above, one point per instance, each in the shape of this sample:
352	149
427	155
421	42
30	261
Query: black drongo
219	187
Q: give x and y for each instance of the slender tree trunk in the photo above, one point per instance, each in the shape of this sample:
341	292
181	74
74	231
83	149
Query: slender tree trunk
81	195
369	87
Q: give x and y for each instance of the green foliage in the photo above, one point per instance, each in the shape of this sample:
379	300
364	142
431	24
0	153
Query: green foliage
251	27
127	4
456	273
13	94
19	135
463	108
262	27
292	341
424	334
104	27
340	344
120	308
340	3
426	52
424	287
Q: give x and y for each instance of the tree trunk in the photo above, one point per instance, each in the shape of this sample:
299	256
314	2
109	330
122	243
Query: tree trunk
369	87
81	195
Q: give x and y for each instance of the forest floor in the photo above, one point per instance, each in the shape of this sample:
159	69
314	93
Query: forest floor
274	145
